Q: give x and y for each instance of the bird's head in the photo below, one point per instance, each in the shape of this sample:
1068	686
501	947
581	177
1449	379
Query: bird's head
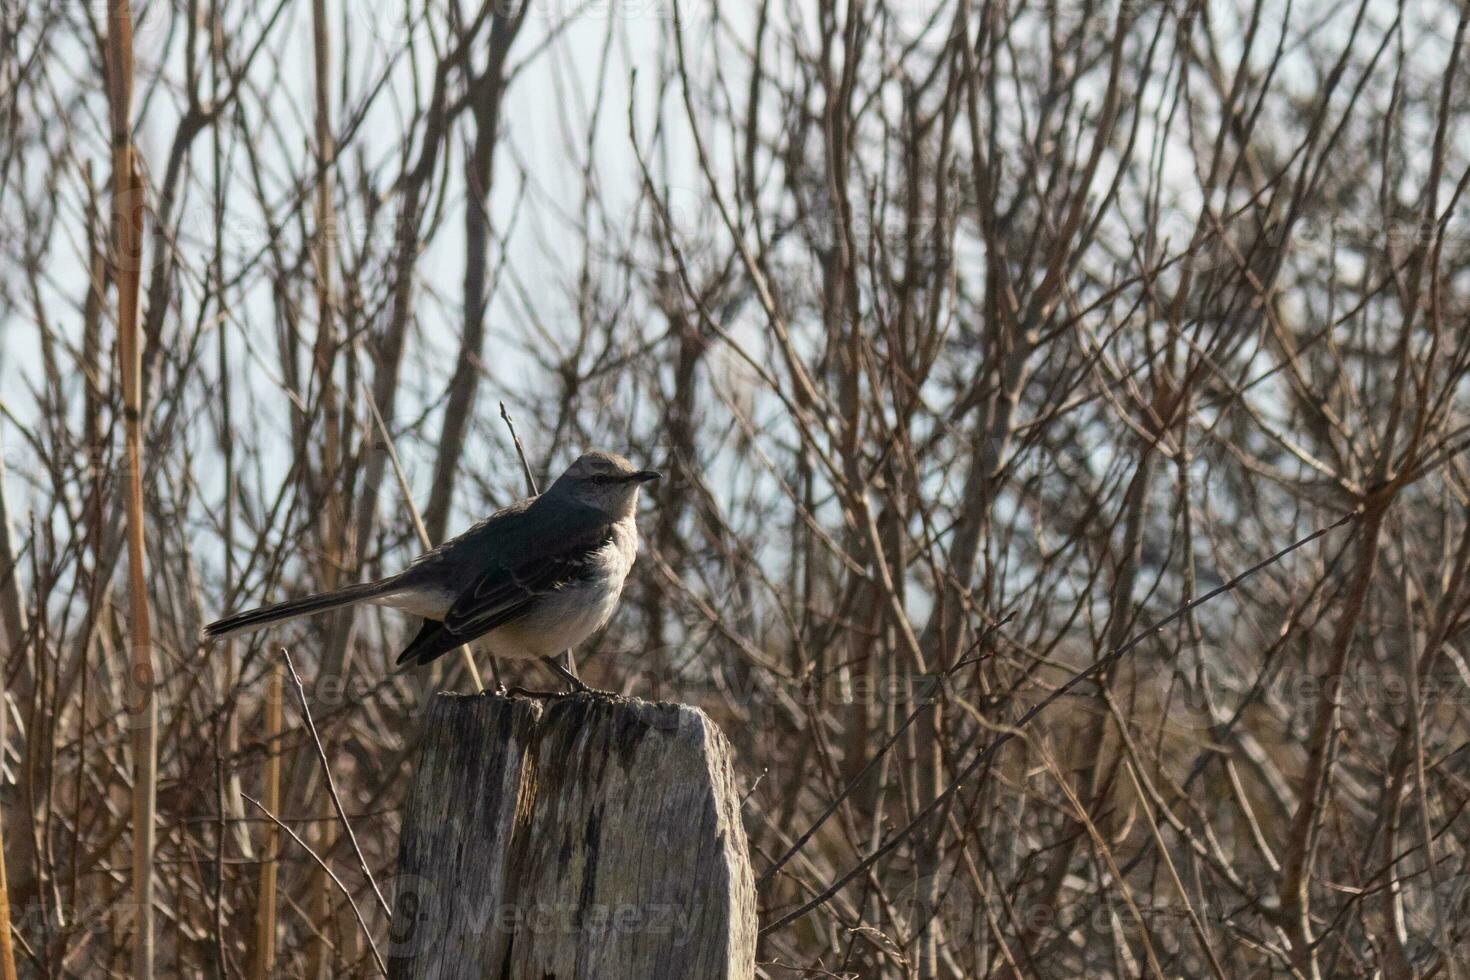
603	481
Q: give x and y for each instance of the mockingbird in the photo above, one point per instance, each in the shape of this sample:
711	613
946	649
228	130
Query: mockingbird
534	579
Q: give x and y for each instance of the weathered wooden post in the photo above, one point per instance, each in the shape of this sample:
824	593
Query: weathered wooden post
587	838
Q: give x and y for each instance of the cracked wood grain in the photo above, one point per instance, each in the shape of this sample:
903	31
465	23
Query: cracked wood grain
585	838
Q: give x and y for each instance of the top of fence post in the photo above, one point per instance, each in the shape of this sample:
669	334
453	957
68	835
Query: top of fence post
588	838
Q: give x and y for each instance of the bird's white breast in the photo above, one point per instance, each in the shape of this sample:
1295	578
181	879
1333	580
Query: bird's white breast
565	618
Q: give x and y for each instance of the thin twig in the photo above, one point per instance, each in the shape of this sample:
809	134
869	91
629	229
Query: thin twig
321	755
520	452
377	957
265	909
418	522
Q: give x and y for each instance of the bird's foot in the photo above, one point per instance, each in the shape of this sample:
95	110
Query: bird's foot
575	683
522	692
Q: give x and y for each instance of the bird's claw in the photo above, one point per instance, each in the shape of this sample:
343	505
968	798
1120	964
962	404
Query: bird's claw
522	692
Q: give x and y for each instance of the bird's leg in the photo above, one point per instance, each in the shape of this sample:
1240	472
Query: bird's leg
567	660
573	681
577	685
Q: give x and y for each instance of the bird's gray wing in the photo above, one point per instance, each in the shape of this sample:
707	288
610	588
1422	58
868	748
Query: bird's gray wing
507	562
516	577
463	555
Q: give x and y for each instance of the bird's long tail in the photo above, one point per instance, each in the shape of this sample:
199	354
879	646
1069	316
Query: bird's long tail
255	619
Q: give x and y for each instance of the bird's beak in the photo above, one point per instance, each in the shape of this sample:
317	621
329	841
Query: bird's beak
647	476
